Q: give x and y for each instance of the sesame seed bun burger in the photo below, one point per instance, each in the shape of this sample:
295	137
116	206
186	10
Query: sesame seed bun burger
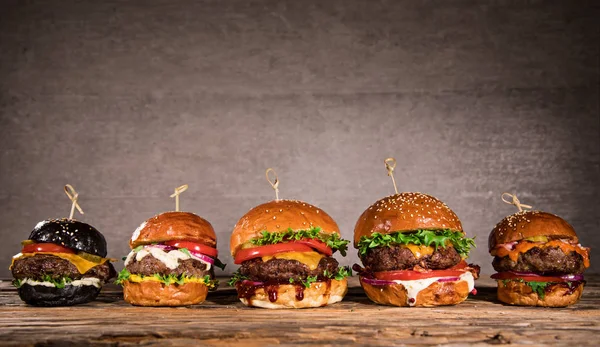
62	263
171	262
539	260
285	250
413	249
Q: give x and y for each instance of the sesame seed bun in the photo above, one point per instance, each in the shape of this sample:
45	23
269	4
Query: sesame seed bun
405	212
524	224
170	226
279	215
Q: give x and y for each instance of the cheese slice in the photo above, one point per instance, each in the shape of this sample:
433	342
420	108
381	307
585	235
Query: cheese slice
310	259
82	265
419	250
523	247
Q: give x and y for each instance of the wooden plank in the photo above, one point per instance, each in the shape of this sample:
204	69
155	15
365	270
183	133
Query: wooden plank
223	320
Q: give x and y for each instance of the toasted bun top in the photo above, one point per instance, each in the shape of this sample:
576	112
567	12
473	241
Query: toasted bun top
70	233
279	215
170	226
524	224
405	212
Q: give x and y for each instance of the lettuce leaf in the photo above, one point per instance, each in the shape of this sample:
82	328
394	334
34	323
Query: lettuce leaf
332	240
437	238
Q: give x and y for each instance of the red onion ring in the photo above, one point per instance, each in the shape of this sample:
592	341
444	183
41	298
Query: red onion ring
448	279
203	257
161	247
252	283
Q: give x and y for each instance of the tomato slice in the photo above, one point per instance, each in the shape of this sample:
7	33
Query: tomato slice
193	246
407	275
255	252
526	277
317	245
46	248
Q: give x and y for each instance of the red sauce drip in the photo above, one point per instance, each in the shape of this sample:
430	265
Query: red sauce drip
272	293
246	290
411	300
299	292
474	291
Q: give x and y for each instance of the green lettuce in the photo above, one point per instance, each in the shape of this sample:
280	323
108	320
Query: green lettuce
332	240
437	238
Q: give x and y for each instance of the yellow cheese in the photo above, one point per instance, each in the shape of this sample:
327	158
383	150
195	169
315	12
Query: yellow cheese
83	265
419	251
310	259
138	278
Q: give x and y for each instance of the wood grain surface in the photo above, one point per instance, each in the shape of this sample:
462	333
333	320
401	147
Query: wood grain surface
223	320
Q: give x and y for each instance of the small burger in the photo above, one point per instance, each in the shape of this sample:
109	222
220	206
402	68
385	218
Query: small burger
171	261
62	263
285	250
413	249
539	260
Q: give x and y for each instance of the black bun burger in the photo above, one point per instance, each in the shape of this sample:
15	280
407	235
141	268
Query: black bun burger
62	263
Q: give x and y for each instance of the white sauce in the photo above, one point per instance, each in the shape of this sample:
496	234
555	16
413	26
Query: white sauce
82	282
137	231
170	258
414	287
18	255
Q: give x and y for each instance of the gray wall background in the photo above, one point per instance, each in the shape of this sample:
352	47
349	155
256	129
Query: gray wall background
127	100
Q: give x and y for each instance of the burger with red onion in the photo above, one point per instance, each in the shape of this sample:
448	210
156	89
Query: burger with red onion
285	250
171	262
413	249
539	260
62	263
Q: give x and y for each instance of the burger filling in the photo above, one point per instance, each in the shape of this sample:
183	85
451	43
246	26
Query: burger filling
294	256
57	266
168	265
542	263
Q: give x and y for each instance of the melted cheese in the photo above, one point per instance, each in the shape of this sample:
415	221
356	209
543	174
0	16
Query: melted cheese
138	278
523	247
170	259
414	287
91	281
310	259
419	251
82	265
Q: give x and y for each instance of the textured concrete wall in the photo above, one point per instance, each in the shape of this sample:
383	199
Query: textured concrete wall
127	100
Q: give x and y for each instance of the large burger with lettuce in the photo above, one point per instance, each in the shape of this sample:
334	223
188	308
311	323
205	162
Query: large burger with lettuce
539	260
171	262
62	263
285	250
413	249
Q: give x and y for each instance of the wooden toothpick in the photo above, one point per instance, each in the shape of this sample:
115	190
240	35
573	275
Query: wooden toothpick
73	196
390	164
514	201
175	195
275	183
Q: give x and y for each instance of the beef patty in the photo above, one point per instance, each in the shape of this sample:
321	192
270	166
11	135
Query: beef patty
149	266
547	260
401	258
281	270
49	265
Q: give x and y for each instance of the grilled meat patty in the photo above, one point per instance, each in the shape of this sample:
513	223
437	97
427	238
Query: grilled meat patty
548	260
45	264
149	266
401	258
281	270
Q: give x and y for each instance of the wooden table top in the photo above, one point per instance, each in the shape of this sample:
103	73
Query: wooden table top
223	320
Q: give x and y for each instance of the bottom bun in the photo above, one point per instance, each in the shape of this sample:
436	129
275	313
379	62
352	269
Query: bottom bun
519	293
436	294
153	293
293	296
39	295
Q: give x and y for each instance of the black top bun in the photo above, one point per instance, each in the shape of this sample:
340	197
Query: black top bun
72	234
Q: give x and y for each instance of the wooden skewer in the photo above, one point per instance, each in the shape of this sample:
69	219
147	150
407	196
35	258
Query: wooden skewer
390	164
514	201
175	195
275	183
73	196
